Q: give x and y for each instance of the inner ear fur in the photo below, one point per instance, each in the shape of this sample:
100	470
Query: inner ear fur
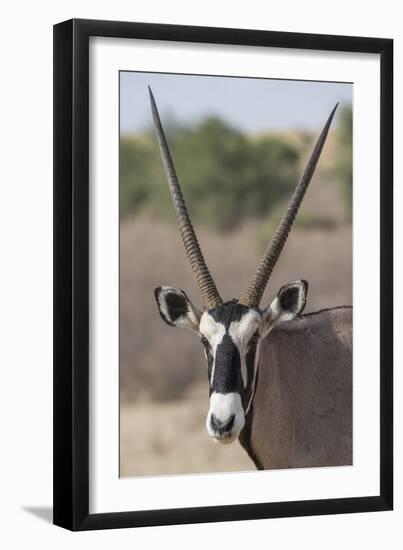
292	297
289	303
176	309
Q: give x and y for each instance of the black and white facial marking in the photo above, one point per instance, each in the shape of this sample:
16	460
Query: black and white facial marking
230	334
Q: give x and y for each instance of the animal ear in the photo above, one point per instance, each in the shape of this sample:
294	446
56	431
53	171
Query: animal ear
176	309
289	303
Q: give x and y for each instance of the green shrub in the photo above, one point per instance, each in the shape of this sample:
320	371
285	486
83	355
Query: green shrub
225	176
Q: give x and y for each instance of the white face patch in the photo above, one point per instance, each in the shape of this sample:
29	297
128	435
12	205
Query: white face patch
212	330
224	406
241	332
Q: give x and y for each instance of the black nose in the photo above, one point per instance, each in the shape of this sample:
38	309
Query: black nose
222	426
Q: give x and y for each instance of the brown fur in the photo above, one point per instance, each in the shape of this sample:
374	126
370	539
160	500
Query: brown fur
302	410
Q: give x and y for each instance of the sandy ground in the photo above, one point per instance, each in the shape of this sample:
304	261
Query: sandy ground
171	438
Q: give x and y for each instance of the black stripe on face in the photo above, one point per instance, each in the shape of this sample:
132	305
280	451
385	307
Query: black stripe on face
228	312
227	369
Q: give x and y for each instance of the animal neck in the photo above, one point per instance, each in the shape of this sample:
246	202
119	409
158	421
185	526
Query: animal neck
245	437
299	416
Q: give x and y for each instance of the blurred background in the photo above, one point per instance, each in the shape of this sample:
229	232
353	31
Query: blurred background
239	146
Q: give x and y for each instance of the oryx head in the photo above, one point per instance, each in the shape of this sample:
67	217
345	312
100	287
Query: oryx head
231	332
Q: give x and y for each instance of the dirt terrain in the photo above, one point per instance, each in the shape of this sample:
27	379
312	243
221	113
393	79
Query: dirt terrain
162	438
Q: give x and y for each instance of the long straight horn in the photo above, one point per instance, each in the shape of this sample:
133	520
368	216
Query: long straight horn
257	286
208	290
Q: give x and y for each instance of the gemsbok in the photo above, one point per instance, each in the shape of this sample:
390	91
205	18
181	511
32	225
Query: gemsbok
279	381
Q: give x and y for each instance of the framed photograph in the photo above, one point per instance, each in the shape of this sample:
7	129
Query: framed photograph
223	319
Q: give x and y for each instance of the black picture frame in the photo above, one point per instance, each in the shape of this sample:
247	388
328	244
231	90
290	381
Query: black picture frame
71	274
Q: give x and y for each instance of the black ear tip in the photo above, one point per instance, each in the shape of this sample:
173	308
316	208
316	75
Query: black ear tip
157	291
305	285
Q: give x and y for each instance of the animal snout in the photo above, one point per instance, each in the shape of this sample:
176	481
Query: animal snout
220	427
225	418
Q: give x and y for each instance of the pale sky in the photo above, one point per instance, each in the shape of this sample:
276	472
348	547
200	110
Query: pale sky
249	104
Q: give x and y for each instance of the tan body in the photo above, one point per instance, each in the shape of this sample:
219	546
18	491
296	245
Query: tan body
302	409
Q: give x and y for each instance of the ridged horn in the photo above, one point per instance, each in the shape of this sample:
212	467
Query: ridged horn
256	288
208	290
